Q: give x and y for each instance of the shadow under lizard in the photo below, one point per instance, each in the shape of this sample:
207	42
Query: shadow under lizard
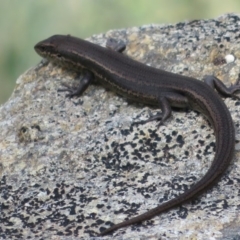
152	86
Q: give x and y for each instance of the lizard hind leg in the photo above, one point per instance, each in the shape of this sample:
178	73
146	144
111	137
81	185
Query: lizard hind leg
217	84
166	101
151	118
161	117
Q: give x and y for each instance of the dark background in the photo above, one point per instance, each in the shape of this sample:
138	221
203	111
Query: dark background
24	23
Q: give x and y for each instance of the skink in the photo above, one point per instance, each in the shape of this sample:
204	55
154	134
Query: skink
152	86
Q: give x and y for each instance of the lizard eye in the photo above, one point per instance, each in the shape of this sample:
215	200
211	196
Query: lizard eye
42	48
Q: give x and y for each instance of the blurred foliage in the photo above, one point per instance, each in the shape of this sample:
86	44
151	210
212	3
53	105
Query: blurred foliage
24	23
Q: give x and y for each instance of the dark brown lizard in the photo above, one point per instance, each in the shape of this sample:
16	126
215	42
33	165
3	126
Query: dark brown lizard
152	86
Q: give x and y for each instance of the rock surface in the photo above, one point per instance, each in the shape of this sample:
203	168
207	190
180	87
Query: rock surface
70	167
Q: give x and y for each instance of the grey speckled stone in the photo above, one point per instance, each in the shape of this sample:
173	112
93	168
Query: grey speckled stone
71	166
